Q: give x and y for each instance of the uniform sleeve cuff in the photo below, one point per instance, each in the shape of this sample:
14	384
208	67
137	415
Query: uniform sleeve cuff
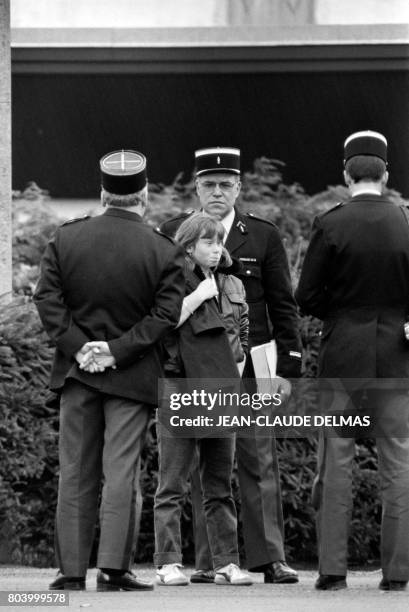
71	341
289	366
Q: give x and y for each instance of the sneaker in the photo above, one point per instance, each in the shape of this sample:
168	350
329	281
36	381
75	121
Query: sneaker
170	575
202	576
232	574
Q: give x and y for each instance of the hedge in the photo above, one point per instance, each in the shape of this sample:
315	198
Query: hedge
29	413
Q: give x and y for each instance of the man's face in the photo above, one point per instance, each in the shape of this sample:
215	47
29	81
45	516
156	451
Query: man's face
217	193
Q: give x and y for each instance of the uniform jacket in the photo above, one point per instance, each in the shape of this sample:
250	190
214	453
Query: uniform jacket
355	278
111	278
266	278
215	336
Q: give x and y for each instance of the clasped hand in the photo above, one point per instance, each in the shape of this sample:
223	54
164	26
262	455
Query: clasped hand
95	357
207	289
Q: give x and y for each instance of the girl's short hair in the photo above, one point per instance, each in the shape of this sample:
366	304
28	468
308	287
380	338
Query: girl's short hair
199	225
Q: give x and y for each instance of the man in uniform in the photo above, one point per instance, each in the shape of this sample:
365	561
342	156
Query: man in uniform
355	278
258	245
114	280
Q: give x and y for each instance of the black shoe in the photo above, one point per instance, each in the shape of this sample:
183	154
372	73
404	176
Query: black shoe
67	583
280	573
126	581
328	582
203	576
392	585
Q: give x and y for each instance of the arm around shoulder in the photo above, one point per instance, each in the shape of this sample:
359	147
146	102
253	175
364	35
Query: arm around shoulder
162	318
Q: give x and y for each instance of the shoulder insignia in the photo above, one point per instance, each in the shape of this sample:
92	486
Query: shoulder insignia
183	215
69	221
158	231
256	218
241	227
405	210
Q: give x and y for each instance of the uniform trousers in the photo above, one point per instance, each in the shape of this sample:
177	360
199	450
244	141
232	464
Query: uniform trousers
215	468
332	491
101	438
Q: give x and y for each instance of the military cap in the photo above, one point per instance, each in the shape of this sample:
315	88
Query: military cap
217	159
366	143
123	172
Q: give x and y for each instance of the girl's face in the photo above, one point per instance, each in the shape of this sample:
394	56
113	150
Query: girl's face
207	252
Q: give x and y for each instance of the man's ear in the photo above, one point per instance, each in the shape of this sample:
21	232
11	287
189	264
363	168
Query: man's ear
347	179
385	178
197	186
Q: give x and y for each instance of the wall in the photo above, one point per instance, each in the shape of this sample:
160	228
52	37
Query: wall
63	124
162	13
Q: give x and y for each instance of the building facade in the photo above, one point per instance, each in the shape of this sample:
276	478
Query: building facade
288	79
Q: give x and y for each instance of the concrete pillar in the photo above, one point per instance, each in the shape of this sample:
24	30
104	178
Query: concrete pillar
5	153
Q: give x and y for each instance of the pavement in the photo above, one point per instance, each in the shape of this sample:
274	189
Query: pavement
361	595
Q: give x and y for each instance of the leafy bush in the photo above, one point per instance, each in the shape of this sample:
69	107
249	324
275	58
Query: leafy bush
34	223
29	414
28	434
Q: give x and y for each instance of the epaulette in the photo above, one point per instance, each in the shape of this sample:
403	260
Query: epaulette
83	218
158	231
338	205
405	210
183	215
253	216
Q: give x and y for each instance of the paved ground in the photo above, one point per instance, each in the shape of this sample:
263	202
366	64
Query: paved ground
362	595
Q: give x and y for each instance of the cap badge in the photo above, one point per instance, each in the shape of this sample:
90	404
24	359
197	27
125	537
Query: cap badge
217	159
123	172
120	161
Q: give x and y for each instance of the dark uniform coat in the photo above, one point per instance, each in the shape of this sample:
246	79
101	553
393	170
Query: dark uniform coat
266	278
111	278
355	278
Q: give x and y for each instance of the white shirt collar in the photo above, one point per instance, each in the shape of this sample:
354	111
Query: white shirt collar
228	222
367	191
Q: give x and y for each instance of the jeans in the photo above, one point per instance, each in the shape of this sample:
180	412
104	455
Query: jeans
176	456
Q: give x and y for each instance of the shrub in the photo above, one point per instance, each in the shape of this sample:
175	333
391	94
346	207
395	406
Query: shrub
34	223
28	434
